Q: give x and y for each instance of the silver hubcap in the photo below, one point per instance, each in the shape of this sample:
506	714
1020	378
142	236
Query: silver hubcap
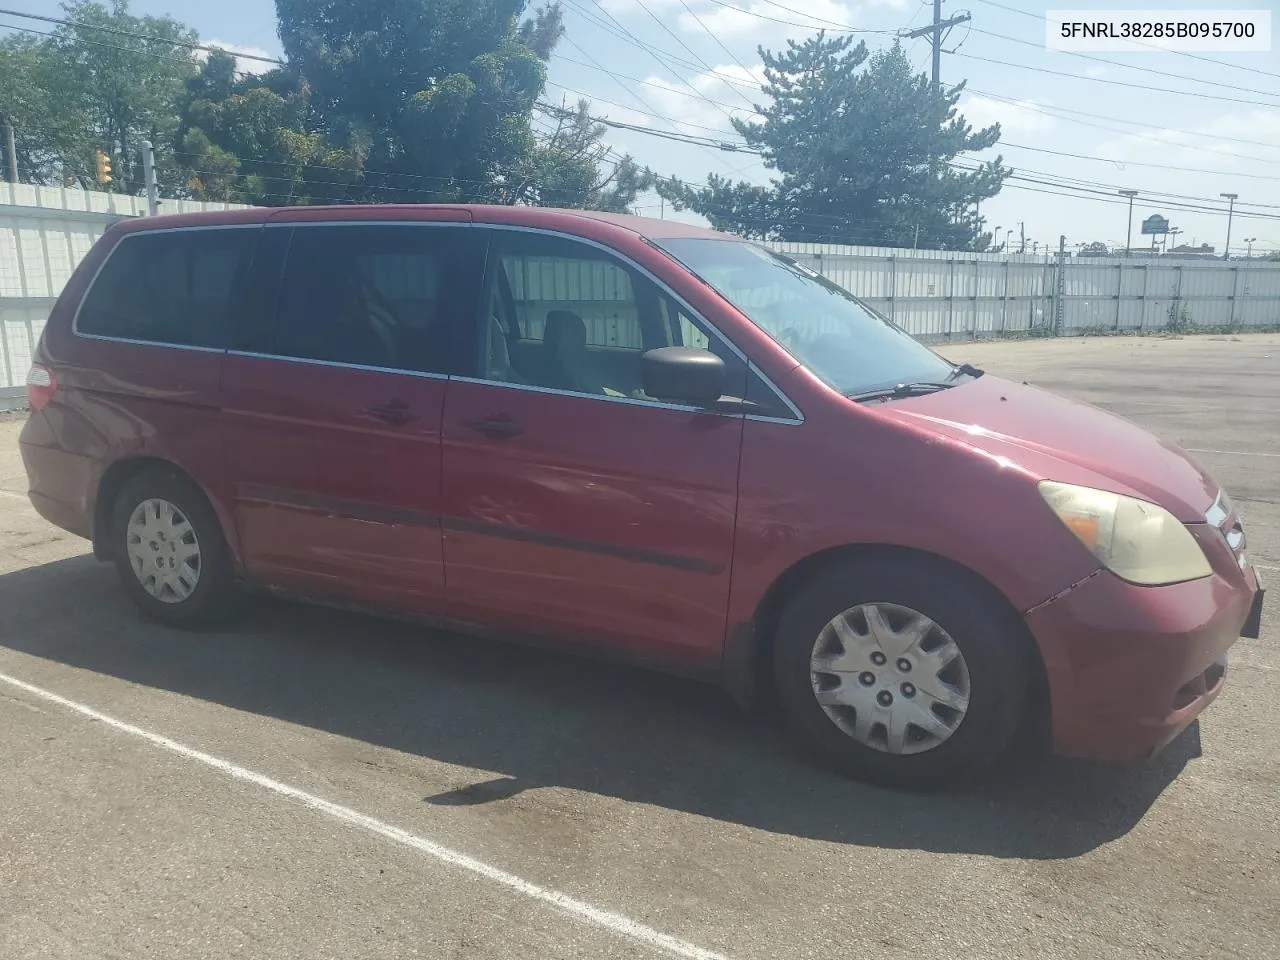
163	551
890	677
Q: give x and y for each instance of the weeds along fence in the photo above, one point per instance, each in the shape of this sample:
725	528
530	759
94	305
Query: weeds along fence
935	295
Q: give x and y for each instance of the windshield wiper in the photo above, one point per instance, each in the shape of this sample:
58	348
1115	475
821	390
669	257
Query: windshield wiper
965	370
899	392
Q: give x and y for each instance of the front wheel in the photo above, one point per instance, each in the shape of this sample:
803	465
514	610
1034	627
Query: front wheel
901	672
170	552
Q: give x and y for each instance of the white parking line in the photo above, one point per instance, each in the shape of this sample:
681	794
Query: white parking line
16	496
1233	453
583	911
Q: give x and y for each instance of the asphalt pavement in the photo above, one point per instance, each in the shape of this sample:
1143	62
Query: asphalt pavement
311	784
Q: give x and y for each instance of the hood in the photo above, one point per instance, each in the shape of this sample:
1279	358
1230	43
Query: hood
1055	438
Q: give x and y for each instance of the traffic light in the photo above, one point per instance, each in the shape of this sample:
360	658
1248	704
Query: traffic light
102	163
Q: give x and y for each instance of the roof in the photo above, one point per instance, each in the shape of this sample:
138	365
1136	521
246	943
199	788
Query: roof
546	217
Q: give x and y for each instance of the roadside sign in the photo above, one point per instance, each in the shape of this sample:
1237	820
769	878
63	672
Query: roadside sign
1155	225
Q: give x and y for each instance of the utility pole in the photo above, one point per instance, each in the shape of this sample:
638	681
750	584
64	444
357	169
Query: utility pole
937	32
1022	234
1231	198
10	153
149	175
1060	288
1128	242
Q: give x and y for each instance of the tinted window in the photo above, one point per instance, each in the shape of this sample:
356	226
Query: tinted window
177	287
378	296
823	326
569	316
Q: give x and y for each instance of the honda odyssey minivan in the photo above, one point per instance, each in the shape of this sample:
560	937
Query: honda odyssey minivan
642	438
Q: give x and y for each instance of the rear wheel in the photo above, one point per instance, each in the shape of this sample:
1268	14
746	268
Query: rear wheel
900	672
170	552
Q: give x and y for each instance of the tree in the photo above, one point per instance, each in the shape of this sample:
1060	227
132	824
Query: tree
430	99
571	167
865	150
1095	249
245	140
83	89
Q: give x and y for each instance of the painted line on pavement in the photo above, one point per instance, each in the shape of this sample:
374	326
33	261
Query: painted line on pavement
579	909
16	496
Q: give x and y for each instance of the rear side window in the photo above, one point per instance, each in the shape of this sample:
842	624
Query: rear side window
386	296
177	287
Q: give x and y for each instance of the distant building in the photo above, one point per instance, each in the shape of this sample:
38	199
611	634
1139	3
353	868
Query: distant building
1186	252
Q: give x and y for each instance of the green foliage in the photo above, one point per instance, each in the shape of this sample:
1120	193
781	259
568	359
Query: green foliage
863	148
82	89
381	100
571	167
435	95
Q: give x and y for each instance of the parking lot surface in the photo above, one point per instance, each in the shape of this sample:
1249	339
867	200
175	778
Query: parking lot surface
313	784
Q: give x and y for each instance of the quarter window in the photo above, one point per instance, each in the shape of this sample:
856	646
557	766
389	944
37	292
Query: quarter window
176	287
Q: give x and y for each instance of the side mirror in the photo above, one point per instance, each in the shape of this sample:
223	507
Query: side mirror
683	375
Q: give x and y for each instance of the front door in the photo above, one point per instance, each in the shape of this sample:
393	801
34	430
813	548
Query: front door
573	504
333	411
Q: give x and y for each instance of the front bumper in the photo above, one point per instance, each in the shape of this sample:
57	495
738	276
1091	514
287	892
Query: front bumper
1130	667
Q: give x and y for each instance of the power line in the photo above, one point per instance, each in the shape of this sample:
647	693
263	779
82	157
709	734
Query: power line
622	106
675	73
1056	111
1153	46
663	134
629	91
137	36
648	83
1135	163
620	32
1130	66
674	36
99	43
710	33
816	23
1118	83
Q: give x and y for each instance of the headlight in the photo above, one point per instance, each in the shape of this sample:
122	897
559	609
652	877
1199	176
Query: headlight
1136	540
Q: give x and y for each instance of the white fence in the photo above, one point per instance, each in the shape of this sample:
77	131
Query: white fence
44	232
944	295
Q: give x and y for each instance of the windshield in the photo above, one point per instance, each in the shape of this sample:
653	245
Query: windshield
837	338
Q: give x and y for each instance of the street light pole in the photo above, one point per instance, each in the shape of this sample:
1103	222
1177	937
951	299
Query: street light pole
1250	241
1231	209
1128	243
995	242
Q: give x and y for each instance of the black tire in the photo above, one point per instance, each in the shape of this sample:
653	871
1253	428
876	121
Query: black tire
990	639
216	597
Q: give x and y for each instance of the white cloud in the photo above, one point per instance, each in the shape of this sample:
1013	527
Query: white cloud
1210	150
243	64
1014	117
720	99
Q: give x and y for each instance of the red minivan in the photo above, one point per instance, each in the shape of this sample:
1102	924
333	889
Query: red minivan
637	437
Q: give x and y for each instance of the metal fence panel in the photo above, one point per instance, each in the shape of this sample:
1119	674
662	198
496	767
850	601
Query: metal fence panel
934	294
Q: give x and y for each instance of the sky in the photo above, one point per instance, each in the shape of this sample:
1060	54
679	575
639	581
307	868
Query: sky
1180	129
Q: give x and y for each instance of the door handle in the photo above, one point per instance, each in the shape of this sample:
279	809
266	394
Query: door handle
500	426
394	414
